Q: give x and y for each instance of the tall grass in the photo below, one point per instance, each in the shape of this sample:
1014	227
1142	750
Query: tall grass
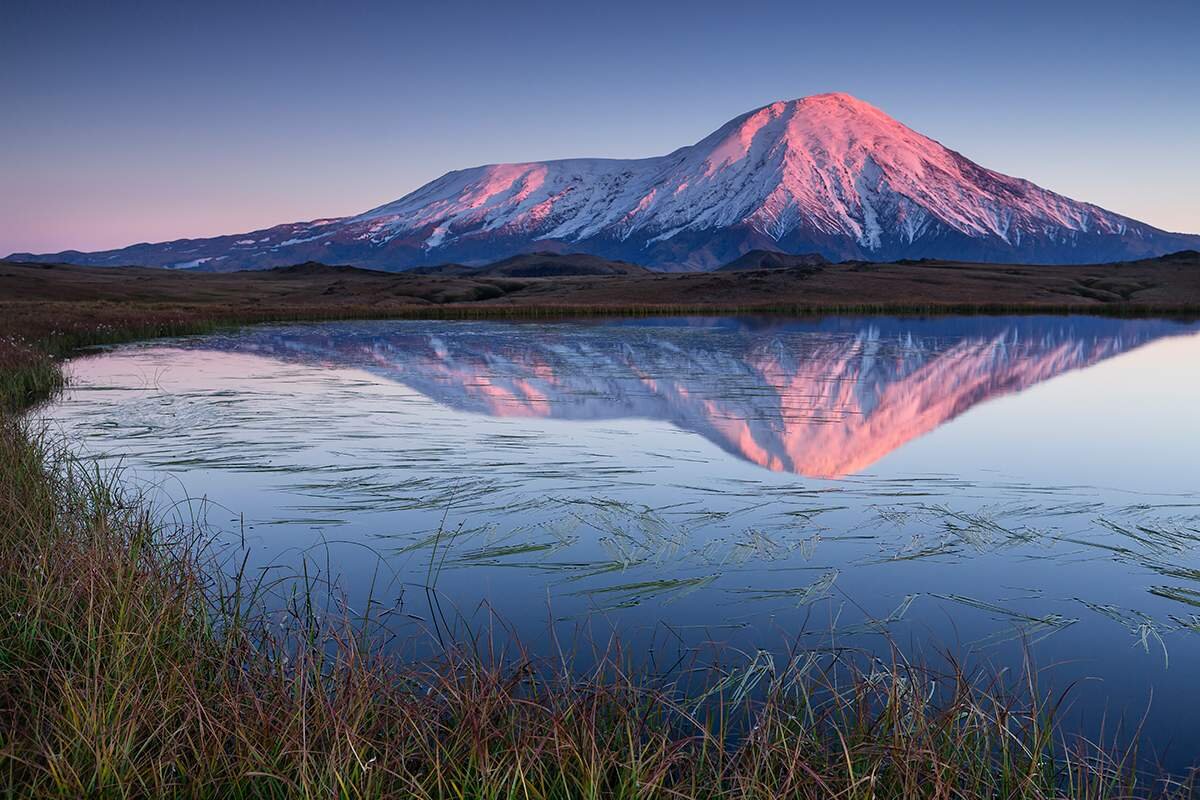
129	667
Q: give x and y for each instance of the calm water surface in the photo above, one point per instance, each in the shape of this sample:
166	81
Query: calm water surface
977	484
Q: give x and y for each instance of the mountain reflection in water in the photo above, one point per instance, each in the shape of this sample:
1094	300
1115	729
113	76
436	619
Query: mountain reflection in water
818	398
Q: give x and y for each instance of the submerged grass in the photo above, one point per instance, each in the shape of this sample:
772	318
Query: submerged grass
130	668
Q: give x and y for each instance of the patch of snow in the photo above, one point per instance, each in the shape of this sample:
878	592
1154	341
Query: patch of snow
662	237
437	237
190	264
290	242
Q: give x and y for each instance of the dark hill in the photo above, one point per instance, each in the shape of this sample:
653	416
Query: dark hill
770	259
537	265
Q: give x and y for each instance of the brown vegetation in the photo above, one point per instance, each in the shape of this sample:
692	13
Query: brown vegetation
1166	285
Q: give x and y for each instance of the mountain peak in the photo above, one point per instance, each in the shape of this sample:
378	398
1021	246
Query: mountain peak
828	105
829	117
828	174
826	99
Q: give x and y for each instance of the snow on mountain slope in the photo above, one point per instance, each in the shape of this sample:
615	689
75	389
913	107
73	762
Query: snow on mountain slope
828	173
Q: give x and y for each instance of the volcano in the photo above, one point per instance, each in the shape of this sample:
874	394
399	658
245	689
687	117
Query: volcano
827	174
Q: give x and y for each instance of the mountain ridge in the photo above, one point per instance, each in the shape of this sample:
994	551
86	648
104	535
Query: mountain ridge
828	174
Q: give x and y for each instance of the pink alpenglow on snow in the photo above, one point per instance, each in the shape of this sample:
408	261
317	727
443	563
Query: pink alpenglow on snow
828	173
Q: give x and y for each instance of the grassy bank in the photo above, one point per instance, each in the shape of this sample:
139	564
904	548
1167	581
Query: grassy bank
35	337
129	669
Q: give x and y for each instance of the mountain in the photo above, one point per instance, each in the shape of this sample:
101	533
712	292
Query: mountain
827	174
822	399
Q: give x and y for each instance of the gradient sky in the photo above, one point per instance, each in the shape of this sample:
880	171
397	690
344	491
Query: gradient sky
128	122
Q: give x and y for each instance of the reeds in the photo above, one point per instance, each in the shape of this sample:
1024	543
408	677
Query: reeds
28	374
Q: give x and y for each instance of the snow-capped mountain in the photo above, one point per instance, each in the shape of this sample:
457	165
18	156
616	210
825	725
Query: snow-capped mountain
829	174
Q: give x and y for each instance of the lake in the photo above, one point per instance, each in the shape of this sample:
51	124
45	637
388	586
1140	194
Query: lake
983	485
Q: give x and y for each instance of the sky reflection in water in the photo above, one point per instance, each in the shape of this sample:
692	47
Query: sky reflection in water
971	482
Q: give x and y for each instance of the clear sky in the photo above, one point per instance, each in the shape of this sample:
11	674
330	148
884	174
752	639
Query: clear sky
127	122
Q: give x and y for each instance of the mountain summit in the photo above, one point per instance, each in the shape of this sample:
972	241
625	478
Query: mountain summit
827	174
